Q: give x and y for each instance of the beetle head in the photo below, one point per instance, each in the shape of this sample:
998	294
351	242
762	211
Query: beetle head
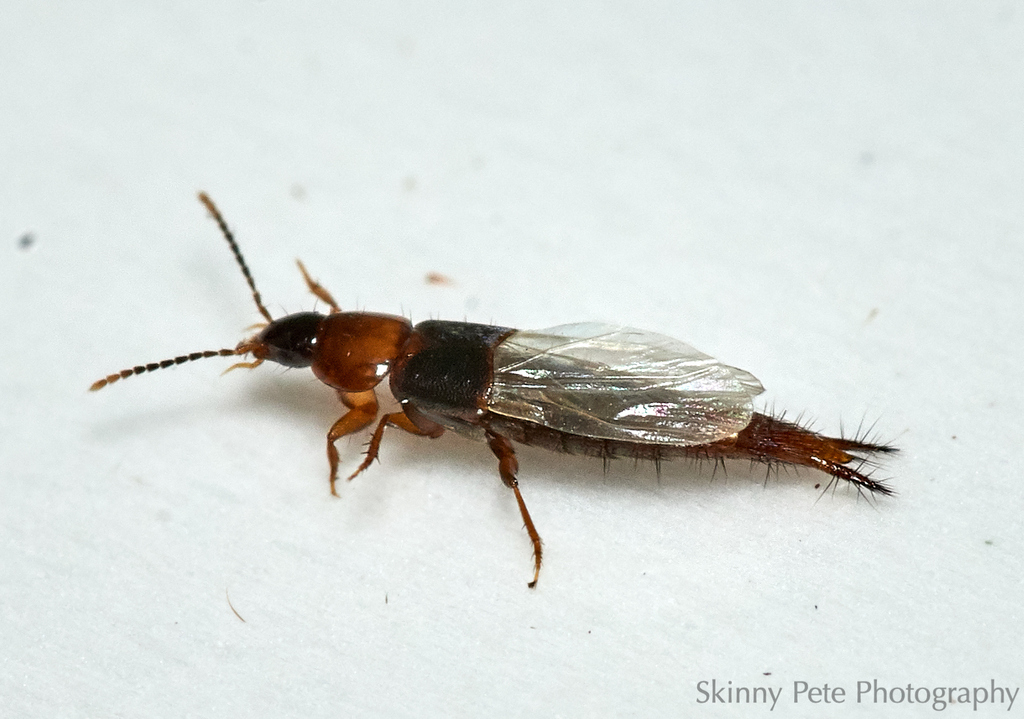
290	341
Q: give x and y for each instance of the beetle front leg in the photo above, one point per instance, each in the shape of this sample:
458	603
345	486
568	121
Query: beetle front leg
402	421
508	465
362	411
317	289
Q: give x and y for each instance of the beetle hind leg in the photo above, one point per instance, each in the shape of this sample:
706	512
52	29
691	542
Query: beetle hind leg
508	465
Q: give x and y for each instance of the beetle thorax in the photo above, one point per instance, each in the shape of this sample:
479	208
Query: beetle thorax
354	351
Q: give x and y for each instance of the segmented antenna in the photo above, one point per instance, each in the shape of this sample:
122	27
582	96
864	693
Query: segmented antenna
153	366
241	349
205	199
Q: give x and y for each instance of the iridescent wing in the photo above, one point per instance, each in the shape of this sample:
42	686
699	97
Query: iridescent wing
619	383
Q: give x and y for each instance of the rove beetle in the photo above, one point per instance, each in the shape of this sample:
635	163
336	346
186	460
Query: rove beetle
591	389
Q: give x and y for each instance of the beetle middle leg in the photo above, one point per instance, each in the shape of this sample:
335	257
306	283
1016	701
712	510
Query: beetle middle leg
362	409
508	465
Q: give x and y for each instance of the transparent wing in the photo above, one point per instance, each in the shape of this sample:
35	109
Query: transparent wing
620	383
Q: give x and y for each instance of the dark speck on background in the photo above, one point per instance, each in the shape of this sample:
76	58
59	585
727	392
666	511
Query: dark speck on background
26	241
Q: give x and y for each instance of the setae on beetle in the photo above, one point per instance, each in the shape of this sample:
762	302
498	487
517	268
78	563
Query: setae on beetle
592	389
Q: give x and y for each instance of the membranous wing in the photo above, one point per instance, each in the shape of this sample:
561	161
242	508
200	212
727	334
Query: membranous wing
619	383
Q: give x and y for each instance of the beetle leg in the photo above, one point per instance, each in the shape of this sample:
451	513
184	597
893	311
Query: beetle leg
400	420
362	409
508	465
317	289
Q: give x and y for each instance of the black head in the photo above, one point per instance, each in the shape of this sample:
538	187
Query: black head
289	341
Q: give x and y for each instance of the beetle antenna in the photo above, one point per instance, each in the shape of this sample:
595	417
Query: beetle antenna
205	199
244	348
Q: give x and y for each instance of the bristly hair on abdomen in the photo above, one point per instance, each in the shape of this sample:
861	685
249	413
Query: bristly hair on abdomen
768	439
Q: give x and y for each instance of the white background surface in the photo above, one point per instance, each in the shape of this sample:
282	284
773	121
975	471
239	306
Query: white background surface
829	198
